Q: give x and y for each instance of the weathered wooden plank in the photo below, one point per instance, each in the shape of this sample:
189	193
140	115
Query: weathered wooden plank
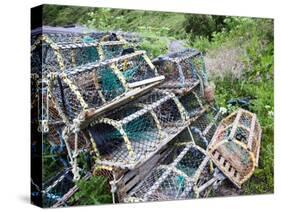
252	130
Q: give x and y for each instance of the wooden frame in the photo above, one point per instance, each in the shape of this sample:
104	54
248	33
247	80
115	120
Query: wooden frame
235	146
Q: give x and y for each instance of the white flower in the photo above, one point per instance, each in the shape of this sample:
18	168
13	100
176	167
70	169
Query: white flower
223	110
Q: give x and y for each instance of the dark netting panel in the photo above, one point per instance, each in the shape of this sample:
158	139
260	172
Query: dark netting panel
143	135
205	126
111	51
44	59
148	182
192	102
182	69
68	101
202	122
109	142
175	180
190	162
169	116
54	134
174	187
54	161
82	142
77	56
55	191
89	89
36	59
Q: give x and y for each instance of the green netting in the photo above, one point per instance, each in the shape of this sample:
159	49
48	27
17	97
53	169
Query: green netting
173	180
112	51
142	129
86	55
191	161
110	84
129	73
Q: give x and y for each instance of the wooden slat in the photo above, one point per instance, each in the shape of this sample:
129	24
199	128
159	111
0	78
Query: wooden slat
144	82
235	124
231	173
252	130
222	161
217	154
227	165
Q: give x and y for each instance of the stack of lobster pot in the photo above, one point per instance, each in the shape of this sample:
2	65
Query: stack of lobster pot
75	79
106	109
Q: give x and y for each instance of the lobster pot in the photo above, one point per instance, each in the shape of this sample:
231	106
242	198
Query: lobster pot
54	134
50	56
89	51
235	146
182	69
78	53
111	49
93	86
130	135
173	179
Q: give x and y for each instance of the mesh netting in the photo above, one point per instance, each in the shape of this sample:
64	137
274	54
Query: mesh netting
175	180
57	188
204	127
129	135
50	55
43	59
235	146
181	69
94	85
186	157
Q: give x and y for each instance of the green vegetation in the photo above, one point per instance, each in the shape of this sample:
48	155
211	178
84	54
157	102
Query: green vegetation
92	192
56	15
240	50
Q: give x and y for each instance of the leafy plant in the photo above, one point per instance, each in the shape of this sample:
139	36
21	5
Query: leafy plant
92	192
